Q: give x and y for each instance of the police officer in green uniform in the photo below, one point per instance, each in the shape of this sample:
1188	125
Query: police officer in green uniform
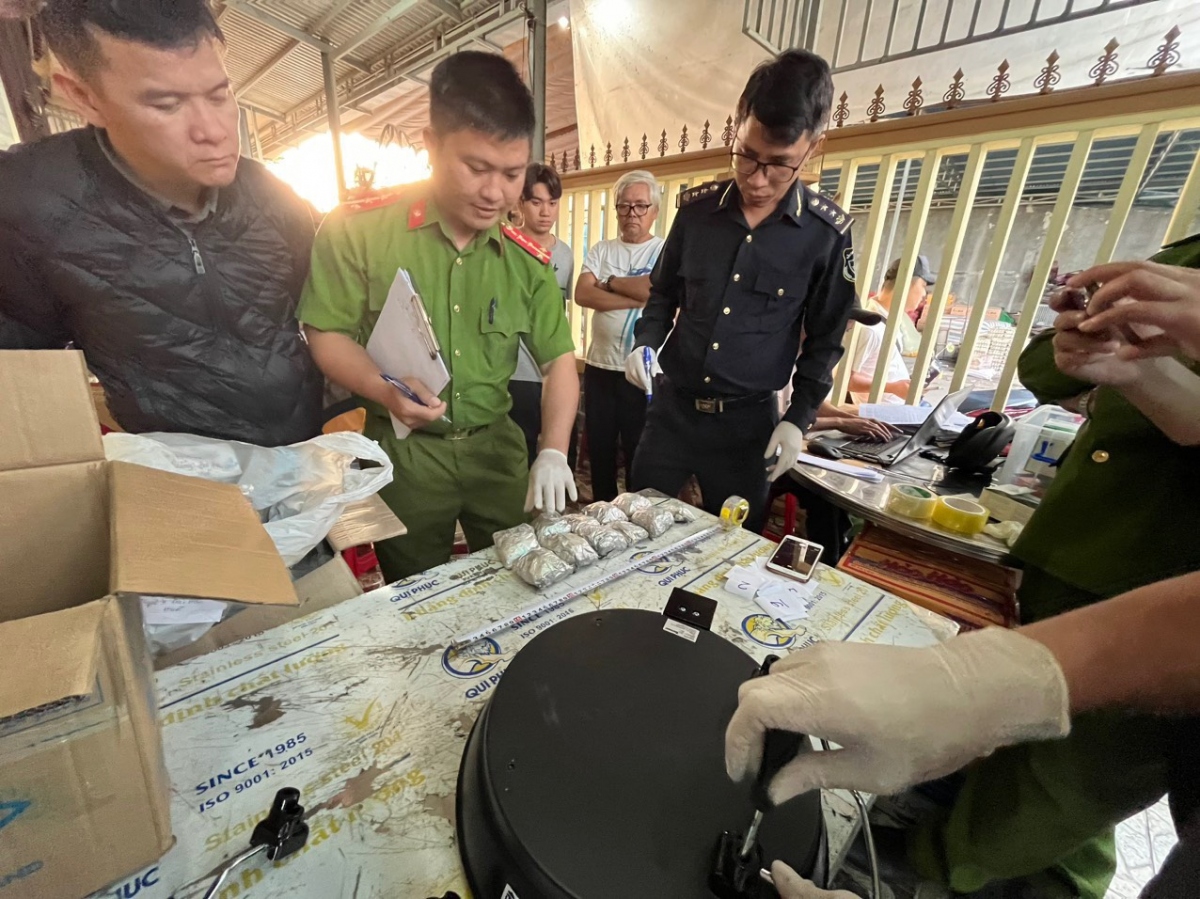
485	288
1122	512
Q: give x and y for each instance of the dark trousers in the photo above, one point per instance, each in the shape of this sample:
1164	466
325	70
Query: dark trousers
723	450
527	413
614	415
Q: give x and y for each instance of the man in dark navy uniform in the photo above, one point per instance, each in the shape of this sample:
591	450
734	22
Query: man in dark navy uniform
756	280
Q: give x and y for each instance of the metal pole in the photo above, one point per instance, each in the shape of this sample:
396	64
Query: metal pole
255	133
537	76
335	125
887	253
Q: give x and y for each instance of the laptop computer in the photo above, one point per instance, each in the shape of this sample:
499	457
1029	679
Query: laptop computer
897	449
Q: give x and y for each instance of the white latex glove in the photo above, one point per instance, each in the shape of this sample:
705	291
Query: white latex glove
635	369
788	441
551	481
791	885
902	715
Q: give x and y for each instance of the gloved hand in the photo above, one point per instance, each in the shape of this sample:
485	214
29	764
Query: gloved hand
788	441
902	715
791	885
551	481
635	369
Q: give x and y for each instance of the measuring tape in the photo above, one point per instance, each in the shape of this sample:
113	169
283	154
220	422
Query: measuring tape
550	604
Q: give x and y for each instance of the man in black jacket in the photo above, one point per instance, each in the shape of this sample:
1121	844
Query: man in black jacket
147	243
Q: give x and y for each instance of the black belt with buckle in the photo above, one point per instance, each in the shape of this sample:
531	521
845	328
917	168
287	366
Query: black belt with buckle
713	405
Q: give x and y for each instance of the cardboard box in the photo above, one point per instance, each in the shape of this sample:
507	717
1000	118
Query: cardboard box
367	521
83	790
328	585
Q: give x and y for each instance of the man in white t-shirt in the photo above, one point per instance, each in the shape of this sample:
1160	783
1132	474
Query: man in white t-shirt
537	214
866	360
615	284
908	338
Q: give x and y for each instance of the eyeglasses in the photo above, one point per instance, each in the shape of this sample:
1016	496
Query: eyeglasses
776	172
638	209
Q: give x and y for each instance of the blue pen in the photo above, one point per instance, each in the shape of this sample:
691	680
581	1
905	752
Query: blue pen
409	394
648	361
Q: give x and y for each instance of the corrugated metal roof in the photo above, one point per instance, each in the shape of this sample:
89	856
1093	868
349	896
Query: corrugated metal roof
297	79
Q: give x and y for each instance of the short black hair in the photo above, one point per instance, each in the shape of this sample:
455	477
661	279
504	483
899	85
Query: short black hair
539	173
791	95
70	27
481	92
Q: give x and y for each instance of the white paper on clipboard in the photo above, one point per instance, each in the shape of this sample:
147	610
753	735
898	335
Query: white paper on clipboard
403	344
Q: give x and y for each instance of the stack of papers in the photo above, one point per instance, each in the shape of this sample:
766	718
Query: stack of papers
782	598
873	475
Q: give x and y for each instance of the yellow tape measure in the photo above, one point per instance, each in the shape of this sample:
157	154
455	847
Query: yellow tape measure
911	501
734	512
963	516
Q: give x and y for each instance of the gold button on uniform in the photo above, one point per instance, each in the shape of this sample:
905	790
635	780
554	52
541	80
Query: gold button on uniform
780	291
456	308
1100	456
737	277
716	346
749	238
707	379
458	352
458	396
458	261
726	310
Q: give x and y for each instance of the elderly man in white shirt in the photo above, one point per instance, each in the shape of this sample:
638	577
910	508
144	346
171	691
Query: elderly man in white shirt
615	285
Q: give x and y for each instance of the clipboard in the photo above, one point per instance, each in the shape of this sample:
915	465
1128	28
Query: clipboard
403	344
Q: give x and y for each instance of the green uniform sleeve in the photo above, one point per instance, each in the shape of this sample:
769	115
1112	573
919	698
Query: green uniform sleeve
335	294
549	329
1037	371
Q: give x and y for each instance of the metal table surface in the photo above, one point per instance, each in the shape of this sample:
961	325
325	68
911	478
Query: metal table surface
365	708
868	500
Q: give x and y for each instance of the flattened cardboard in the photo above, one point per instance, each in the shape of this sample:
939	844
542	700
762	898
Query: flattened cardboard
160	549
46	410
366	521
48	661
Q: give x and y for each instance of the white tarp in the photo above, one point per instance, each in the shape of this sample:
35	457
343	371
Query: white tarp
642	66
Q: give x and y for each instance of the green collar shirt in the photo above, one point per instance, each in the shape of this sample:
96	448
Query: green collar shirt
1124	508
482	301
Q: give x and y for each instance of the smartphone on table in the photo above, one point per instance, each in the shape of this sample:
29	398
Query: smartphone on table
795	558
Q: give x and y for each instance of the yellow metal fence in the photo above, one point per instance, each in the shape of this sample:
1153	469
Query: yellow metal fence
867	169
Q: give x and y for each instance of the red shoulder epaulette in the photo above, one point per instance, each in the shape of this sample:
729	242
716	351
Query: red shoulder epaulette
532	247
374	199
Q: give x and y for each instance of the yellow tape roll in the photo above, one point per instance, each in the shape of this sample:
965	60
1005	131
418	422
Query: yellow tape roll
963	516
911	501
734	512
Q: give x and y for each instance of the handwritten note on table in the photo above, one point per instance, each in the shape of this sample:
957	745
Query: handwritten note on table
781	598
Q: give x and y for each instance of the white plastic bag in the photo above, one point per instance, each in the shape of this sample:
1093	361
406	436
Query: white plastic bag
300	489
